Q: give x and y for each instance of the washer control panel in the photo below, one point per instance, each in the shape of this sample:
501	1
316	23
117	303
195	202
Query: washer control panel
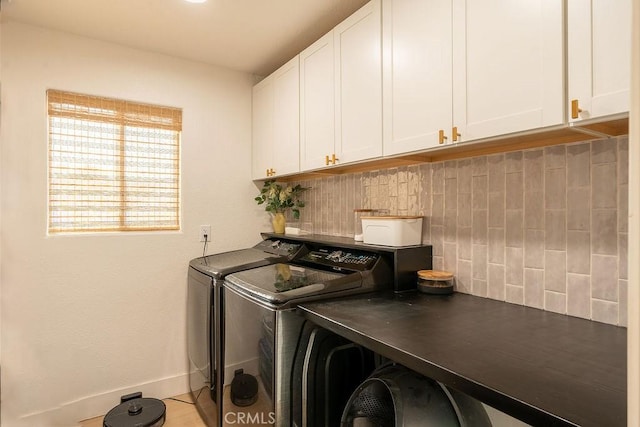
339	259
279	247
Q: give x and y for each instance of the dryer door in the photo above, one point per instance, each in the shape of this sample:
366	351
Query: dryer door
395	396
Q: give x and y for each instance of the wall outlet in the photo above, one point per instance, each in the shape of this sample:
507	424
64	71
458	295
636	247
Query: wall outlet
205	230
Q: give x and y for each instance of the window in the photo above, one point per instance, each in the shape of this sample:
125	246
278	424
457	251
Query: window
113	165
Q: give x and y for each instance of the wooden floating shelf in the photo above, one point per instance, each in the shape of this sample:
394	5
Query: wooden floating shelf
565	134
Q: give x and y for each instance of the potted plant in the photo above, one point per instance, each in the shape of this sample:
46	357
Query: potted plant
278	199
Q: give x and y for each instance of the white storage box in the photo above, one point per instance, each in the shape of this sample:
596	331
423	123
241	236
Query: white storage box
392	230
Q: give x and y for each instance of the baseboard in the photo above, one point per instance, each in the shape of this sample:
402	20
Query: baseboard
71	413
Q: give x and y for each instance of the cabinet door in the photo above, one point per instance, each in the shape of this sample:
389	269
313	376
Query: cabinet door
358	74
507	65
317	103
417	90
262	123
599	46
286	118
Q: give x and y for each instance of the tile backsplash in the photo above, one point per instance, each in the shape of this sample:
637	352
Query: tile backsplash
545	227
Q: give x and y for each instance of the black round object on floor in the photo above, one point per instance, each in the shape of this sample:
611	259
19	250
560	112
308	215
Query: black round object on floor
140	412
244	389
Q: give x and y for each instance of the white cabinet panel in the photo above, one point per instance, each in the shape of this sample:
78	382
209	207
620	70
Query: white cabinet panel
286	146
317	103
276	121
417	45
262	127
358	89
507	66
599	67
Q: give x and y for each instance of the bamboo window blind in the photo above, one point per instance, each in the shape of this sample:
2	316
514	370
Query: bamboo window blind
113	165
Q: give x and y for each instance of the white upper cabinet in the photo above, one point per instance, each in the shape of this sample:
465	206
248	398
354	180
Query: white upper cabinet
341	93
507	66
358	88
317	103
276	123
461	71
417	67
599	67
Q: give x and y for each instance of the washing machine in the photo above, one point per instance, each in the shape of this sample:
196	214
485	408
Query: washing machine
265	343
205	331
395	396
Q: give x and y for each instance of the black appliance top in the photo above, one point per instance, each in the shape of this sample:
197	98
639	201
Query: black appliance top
266	252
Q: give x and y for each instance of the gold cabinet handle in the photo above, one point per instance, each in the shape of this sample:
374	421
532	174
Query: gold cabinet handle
273	172
268	173
334	158
456	135
327	160
441	137
575	109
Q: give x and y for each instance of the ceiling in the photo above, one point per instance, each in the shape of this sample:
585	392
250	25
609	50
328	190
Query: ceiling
255	36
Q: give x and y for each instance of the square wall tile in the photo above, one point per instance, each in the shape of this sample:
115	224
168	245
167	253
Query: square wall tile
513	161
514	294
555	301
555	157
604	151
604	311
479	166
479	288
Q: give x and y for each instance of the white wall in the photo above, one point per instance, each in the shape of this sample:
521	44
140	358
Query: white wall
86	318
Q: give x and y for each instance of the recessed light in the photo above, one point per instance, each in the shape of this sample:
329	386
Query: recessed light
196	1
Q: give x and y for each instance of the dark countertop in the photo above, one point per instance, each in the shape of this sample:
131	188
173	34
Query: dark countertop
541	367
